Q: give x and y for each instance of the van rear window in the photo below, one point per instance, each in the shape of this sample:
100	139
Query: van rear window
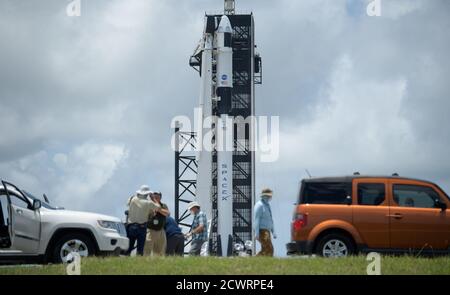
325	193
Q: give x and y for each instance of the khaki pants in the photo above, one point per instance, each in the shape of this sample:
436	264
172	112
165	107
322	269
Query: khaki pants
266	243
155	243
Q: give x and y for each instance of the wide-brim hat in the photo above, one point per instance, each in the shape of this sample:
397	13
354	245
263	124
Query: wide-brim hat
266	192
144	190
193	204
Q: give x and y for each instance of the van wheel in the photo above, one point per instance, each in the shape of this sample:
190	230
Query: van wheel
69	244
335	245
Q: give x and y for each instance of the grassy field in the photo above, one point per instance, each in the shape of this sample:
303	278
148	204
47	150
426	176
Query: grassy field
239	266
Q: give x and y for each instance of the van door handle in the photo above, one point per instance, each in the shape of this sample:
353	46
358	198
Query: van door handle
19	211
396	216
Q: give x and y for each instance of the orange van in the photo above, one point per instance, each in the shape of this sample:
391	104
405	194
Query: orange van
340	216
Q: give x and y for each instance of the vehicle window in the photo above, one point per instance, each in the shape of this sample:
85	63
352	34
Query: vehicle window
415	196
372	194
18	201
326	193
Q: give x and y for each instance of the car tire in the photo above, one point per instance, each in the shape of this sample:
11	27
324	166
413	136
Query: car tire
77	242
335	245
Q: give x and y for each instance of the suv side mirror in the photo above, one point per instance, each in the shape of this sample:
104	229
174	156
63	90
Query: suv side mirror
441	205
37	204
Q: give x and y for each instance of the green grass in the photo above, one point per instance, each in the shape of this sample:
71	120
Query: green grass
240	266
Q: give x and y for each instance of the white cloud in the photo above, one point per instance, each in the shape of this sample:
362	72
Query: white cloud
60	160
70	180
358	124
314	14
396	9
103	43
89	167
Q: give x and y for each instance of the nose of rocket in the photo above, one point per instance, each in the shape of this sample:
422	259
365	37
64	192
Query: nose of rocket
224	25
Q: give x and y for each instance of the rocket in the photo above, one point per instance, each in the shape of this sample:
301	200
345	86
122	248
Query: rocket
204	155
224	136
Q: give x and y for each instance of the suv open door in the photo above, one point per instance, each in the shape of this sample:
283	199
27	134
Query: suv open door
25	220
5	222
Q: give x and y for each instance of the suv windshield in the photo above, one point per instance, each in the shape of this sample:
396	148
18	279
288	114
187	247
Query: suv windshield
44	204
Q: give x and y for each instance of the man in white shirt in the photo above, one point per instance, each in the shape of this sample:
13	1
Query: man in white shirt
139	210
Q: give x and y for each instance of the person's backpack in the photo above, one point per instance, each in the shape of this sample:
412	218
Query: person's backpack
157	222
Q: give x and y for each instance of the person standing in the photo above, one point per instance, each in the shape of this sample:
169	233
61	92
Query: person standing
139	208
175	238
156	242
264	226
199	230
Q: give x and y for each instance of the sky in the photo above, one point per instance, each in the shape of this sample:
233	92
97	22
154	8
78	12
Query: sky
86	102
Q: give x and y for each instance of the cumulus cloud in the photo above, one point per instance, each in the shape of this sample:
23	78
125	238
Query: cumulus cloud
86	170
358	117
71	180
399	8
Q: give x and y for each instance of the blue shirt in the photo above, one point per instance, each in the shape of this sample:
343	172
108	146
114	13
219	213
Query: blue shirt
200	219
263	217
171	227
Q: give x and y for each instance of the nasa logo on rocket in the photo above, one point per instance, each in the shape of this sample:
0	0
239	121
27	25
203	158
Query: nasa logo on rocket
224	80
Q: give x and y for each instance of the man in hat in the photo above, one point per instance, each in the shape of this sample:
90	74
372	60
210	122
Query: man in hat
199	231
139	208
264	223
156	242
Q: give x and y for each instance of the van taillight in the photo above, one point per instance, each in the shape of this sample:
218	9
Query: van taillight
300	221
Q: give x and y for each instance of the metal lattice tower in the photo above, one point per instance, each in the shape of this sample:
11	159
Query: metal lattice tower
185	175
246	74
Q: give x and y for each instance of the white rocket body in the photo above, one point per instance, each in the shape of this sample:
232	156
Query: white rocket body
225	184
204	156
225	138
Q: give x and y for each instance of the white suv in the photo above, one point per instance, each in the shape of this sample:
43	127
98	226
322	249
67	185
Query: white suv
33	229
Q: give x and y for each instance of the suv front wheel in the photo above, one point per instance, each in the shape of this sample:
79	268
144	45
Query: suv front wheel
72	243
335	245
